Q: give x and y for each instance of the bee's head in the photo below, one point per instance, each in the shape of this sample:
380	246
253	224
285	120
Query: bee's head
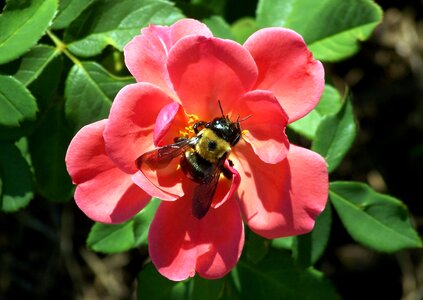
226	129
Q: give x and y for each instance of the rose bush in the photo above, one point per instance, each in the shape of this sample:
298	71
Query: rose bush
277	188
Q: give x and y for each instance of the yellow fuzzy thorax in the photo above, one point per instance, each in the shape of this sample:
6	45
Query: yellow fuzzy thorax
203	146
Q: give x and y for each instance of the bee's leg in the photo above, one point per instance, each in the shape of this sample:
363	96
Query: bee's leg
228	174
197	125
179	139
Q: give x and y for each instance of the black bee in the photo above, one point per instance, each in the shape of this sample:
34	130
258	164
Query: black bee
202	157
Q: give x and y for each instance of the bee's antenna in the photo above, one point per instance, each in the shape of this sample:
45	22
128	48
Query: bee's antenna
243	119
221	109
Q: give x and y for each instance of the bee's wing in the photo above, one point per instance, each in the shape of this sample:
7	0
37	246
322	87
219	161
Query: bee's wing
162	156
204	192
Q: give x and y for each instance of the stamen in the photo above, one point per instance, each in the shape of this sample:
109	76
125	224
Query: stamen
188	131
243	133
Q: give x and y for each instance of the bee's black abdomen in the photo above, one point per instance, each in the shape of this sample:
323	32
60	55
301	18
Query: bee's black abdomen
195	167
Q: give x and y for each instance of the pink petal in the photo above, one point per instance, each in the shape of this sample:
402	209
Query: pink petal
226	188
129	132
170	121
165	184
265	130
186	27
180	245
288	69
281	199
205	70
146	54
151	188
164	120
104	193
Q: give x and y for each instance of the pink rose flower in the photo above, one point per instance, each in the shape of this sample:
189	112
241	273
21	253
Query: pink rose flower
182	71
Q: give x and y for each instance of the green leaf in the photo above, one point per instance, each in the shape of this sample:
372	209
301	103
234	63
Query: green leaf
45	87
331	28
219	27
278	277
232	287
256	247
16	178
335	135
113	238
153	286
207	289
115	23
329	103
69	10
89	92
311	246
215	6
48	145
17	107
22	25
16	102
34	62
142	222
285	243
377	221
243	28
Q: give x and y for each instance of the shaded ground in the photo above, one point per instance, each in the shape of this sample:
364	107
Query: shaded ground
386	79
43	253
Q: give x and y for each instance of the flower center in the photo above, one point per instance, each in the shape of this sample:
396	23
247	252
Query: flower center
188	131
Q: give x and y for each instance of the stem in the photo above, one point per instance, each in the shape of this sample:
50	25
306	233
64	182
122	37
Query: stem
62	48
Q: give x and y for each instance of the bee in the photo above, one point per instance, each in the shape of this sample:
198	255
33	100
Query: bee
202	157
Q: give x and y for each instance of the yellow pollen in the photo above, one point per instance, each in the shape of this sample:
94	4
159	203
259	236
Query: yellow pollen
188	131
243	133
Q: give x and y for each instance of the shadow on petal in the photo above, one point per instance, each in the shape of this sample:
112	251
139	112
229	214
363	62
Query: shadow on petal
282	199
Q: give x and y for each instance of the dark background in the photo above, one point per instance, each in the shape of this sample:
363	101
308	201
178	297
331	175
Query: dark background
43	253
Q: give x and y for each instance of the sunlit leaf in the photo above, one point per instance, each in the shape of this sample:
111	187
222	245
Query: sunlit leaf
16	102
16	178
69	10
89	93
331	28
22	25
219	27
115	23
113	238
283	243
329	103
17	108
34	62
243	28
377	221
335	135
